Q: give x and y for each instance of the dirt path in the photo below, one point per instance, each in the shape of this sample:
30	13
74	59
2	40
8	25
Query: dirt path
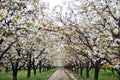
71	75
61	75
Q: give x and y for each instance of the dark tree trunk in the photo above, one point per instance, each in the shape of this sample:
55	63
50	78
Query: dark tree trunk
6	69
29	72
14	69
96	73
29	67
81	71
87	69
15	74
40	67
35	71
77	70
112	70
34	67
87	72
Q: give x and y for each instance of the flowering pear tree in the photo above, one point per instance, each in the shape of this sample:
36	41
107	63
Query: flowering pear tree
19	37
92	30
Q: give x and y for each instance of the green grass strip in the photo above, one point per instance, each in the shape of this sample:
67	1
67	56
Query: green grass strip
22	75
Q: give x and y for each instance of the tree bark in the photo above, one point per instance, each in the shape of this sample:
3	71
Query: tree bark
6	69
81	71
96	73
29	66
40	67
29	72
15	74
15	70
87	72
34	66
35	71
6	50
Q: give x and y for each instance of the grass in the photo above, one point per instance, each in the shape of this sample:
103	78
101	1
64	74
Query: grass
108	75
22	75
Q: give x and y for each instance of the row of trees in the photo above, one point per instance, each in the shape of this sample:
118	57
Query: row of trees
22	43
91	33
86	33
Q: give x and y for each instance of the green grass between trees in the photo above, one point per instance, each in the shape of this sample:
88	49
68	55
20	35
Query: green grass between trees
22	75
103	75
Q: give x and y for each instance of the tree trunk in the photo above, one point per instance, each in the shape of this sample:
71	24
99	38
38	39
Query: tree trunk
81	71
96	73
29	66
29	72
15	69
6	69
39	68
34	66
34	71
15	74
112	70
77	70
87	72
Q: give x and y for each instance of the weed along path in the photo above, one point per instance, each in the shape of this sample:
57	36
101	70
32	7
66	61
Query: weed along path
62	74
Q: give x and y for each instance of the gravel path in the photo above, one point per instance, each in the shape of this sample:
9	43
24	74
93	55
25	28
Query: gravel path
61	75
71	75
